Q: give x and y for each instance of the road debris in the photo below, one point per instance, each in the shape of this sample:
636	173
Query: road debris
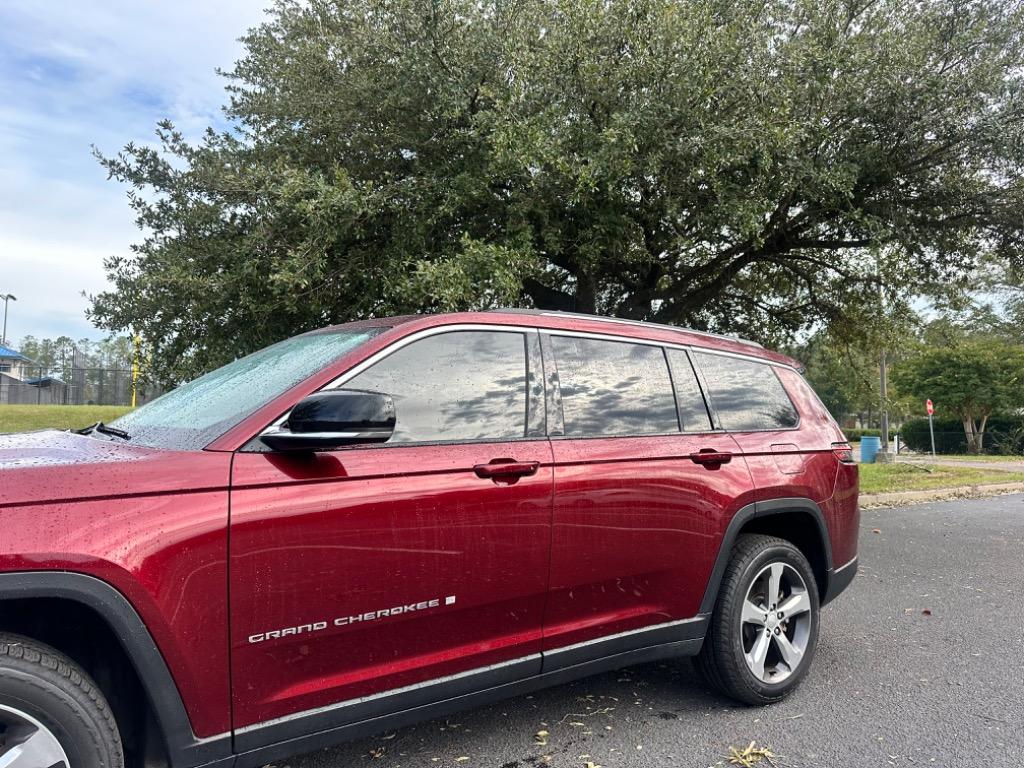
750	756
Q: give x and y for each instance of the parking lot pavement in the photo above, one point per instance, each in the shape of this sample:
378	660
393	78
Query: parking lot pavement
921	662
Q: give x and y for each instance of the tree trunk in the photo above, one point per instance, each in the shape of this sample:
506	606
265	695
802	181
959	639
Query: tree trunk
973	436
586	294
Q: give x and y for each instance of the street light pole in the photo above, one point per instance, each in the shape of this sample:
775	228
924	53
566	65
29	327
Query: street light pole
6	297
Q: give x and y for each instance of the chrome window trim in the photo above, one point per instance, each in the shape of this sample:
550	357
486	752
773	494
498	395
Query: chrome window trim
389	350
376	357
666	344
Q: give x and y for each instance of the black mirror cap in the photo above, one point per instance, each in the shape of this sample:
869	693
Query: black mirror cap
333	418
343	410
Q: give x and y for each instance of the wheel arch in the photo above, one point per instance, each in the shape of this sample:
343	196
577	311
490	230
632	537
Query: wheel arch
797	520
113	610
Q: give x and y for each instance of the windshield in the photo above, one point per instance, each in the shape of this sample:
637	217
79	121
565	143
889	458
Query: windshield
191	416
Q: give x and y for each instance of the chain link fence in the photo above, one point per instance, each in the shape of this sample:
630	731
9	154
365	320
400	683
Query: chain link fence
75	385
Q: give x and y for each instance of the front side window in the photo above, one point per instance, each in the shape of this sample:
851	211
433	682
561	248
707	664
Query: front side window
614	387
747	395
460	385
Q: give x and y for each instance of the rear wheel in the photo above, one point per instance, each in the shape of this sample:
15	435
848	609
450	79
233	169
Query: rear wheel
51	713
764	628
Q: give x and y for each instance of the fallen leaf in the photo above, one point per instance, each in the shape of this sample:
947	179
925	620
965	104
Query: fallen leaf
876	530
377	752
750	756
541	737
927	611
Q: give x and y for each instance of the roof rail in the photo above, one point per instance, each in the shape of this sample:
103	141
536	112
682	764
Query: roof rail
623	321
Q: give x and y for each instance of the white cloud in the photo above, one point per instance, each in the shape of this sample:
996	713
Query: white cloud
78	74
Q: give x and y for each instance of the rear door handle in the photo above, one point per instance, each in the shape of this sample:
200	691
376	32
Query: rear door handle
507	470
711	457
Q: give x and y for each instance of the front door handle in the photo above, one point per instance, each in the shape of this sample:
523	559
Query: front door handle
506	470
711	458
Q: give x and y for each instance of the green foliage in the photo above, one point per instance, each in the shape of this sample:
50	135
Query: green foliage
56	357
855	435
971	380
846	373
1000	436
743	167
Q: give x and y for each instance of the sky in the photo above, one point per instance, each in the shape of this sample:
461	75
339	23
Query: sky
74	74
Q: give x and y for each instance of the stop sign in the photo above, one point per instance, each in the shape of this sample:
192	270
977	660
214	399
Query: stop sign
929	407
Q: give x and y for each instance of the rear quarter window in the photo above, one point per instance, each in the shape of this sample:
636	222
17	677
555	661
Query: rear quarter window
747	395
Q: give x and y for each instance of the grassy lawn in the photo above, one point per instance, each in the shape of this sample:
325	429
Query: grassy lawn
22	418
887	478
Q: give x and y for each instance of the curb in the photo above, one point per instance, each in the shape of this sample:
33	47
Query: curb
902	498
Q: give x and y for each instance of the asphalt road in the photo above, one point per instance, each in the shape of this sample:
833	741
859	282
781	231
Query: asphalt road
920	662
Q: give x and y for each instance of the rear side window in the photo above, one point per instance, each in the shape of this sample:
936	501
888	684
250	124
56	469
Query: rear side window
613	388
747	395
463	385
693	412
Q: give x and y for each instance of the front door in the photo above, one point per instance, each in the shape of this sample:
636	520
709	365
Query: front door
642	485
360	571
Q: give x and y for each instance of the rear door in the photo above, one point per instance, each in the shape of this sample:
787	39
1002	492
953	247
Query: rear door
360	571
638	509
788	456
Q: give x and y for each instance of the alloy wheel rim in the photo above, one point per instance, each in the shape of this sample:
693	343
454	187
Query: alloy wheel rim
27	743
775	624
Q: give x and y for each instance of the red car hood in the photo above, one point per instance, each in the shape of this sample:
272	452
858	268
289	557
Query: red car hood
50	447
49	465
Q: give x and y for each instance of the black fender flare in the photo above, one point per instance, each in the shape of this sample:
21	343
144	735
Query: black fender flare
764	509
184	749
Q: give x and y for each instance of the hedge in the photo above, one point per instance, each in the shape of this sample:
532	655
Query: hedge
855	435
950	437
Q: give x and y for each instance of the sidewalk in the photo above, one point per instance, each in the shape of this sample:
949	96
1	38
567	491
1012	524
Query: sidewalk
1006	466
952	461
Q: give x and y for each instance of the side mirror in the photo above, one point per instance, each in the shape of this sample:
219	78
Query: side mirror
334	418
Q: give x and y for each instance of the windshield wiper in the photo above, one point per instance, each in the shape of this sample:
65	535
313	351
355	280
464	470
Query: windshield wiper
103	429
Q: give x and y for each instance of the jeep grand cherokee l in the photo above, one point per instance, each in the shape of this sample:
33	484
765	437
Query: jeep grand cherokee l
380	522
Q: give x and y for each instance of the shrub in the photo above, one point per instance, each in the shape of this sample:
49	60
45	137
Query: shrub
950	437
856	435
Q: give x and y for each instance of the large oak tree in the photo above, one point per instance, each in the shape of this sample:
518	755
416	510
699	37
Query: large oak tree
755	167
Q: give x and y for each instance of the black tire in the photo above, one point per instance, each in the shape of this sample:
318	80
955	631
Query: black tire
721	659
39	681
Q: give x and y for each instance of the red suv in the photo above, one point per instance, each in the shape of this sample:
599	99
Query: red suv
379	522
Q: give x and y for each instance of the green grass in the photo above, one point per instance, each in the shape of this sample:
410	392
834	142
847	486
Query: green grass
889	478
22	418
961	456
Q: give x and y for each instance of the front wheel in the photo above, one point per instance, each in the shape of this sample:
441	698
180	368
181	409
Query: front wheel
764	628
52	715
